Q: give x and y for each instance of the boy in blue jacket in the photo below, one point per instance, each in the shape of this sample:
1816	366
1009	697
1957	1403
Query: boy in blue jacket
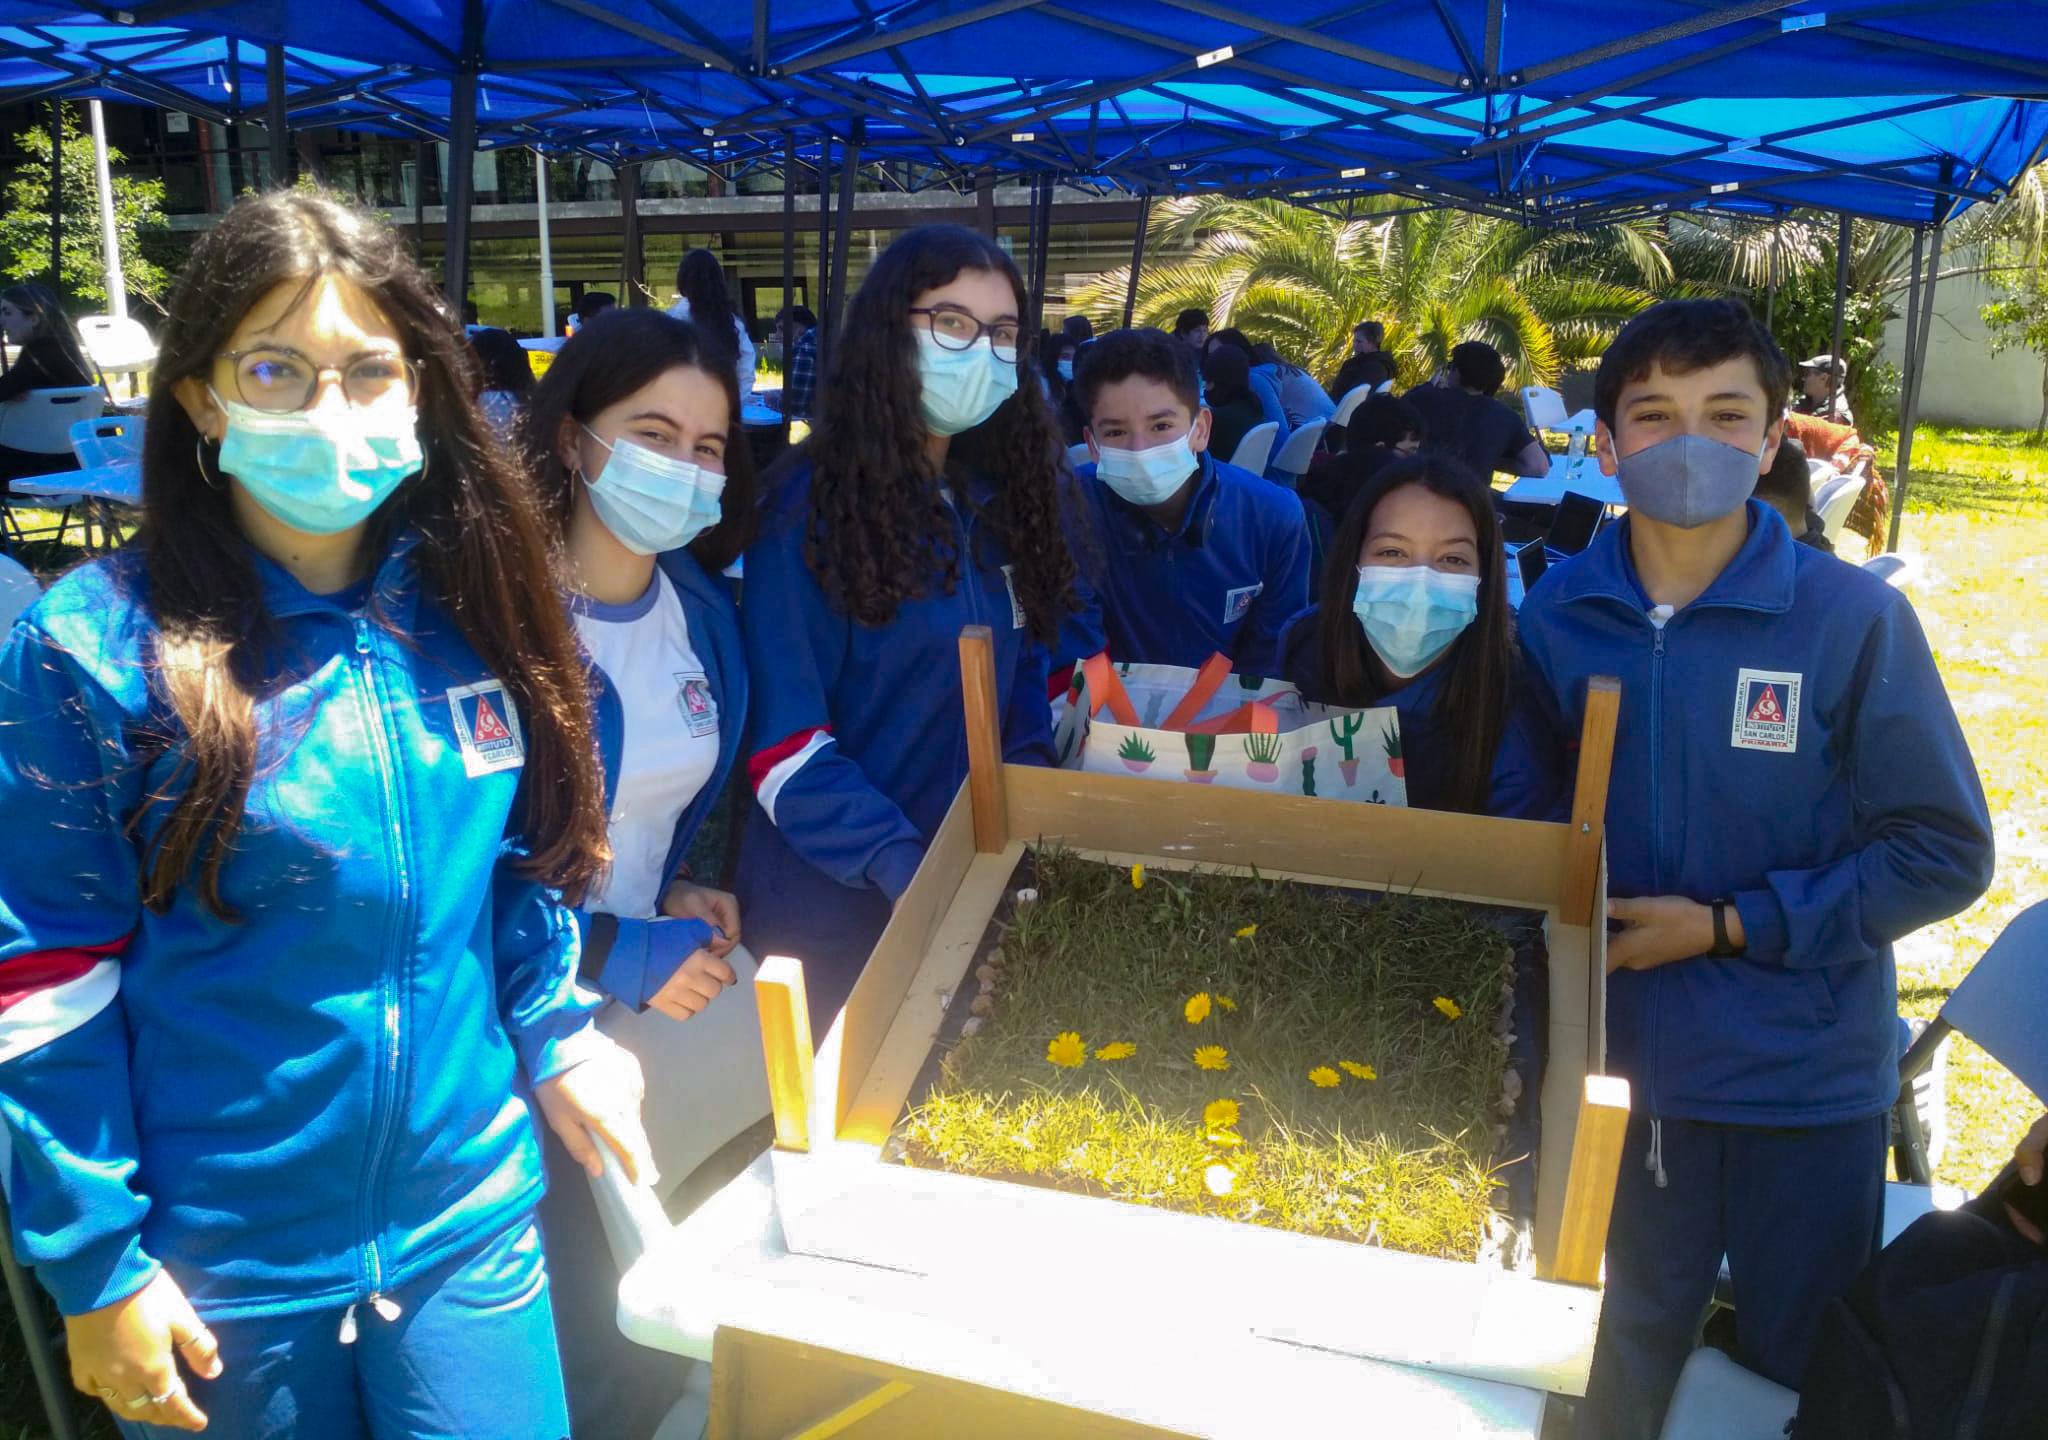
1791	794
1190	555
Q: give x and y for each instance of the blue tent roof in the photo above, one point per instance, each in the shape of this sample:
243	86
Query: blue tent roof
1560	111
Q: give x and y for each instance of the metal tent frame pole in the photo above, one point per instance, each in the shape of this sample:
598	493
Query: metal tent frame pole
824	305
1137	258
842	226
275	118
110	236
1909	408
1041	249
547	247
788	227
1837	371
57	197
632	260
423	155
461	186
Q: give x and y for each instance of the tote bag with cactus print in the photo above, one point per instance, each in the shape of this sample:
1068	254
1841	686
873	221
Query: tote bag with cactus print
1209	727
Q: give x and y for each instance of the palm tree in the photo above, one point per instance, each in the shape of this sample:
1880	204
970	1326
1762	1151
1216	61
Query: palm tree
1301	278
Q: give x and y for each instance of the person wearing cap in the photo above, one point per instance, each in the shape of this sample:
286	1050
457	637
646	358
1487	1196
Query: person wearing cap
1461	415
1818	393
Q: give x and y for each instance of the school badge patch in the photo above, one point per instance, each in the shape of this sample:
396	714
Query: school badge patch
487	728
1238	603
693	698
1766	710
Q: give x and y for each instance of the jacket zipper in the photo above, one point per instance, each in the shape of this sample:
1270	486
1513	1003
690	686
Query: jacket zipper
1654	1049
380	740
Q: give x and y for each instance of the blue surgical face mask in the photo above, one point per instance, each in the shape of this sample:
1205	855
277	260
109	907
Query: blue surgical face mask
1689	480
961	388
321	471
1412	613
1066	369
1147	477
651	502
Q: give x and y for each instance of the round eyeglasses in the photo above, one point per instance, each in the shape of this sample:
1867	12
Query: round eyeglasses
956	329
277	379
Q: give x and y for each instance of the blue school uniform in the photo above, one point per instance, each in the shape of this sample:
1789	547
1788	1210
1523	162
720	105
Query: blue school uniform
1785	743
323	1103
1228	579
858	739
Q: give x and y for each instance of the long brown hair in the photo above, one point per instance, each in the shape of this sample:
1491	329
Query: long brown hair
1479	686
484	555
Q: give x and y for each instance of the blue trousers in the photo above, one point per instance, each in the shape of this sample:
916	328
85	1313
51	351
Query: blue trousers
471	1356
1797	1213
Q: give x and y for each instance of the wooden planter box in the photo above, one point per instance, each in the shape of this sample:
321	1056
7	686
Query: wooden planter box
837	1198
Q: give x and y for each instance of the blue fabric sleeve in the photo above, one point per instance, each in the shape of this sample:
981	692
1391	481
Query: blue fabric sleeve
1530	773
828	811
1924	831
539	944
1027	719
1267	390
69	898
638	957
1256	650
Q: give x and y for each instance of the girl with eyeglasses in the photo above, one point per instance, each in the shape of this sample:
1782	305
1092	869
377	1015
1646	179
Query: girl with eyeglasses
294	784
925	501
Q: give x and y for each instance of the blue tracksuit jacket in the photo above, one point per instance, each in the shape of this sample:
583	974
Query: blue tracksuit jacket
630	958
858	740
1229	579
321	1102
1785	742
1527	781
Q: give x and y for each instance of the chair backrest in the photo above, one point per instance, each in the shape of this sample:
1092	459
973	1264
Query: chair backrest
1818	474
117	343
40	422
107	440
1835	502
1356	396
1998	1004
1256	448
1895	570
1300	448
1077	455
18	590
1543	407
1385	387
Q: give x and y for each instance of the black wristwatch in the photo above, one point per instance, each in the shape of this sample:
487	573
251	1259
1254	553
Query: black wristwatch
1724	948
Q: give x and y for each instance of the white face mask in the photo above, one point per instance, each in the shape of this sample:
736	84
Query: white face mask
1411	614
652	502
1148	477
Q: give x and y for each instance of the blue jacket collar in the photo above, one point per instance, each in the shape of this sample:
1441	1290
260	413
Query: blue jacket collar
284	596
1761	577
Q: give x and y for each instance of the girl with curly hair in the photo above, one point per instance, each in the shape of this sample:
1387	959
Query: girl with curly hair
927	500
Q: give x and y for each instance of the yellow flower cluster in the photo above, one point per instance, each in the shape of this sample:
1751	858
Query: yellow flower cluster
1357	1071
1450	1008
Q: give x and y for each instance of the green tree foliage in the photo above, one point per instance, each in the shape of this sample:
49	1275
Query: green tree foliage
1300	278
147	248
2018	319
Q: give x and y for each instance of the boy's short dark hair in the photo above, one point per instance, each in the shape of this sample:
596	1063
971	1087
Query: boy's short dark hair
1190	320
1077	329
1123	353
1682	336
1384	420
1478	366
1371	330
1788	479
594	302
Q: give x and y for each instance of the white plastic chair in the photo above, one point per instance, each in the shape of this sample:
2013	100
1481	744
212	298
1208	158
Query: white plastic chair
1836	499
1256	448
40	422
1385	387
118	345
18	590
1897	571
1818	473
108	440
1543	407
1294	456
1356	396
1717	1399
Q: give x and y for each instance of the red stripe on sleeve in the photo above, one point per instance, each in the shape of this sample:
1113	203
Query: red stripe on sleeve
1059	683
769	756
41	970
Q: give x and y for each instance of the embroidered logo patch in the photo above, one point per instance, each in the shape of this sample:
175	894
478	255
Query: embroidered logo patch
1766	710
1016	605
1238	603
693	698
487	728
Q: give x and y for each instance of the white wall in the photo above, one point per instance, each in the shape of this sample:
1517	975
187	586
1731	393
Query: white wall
1966	384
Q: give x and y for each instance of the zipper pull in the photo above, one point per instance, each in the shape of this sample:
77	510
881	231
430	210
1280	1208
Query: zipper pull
348	1325
362	636
386	1308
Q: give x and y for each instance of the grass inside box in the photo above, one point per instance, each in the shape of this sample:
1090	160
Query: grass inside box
1326	1061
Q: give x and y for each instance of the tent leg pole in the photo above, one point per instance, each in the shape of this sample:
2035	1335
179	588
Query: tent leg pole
842	228
788	225
461	186
423	156
1837	371
57	198
1909	412
1041	258
632	258
1137	259
275	119
824	306
110	237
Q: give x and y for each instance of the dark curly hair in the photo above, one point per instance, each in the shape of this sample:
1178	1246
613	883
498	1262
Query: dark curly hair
879	533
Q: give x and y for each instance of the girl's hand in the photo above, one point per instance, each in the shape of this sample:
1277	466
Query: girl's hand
697	982
598	1099
687	900
126	1352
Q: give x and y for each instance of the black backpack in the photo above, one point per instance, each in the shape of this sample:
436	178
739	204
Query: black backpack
1944	1336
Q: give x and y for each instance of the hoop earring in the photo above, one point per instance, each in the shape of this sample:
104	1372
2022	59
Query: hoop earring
199	459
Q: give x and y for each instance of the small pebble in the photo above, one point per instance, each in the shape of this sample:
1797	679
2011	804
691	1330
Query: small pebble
1219	1180
971	1027
945	1000
986	974
983	1005
1026	895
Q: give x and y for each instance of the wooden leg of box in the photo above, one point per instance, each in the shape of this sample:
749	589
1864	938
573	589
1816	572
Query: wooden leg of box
1589	800
984	740
1589	1188
786	1046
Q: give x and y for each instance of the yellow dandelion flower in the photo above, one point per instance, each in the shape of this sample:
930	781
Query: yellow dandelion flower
1451	1008
1117	1050
1212	1057
1357	1071
1066	1051
1323	1077
1226	1004
1247	932
1137	877
1220	1114
1197	1008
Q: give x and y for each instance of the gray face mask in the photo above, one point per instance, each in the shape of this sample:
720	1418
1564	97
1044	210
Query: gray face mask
1688	480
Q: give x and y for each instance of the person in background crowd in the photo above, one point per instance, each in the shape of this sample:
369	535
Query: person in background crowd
1384	429
1818	393
589	305
1412	612
1787	487
1197	555
1233	409
507	378
1761	866
50	357
1078	330
1263	380
1301	399
296	780
1191	328
702	295
927	499
1367	364
1056	373
797	325
634	439
1462	416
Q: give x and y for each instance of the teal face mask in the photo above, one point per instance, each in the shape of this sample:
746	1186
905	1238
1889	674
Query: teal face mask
1412	613
320	471
652	502
962	388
